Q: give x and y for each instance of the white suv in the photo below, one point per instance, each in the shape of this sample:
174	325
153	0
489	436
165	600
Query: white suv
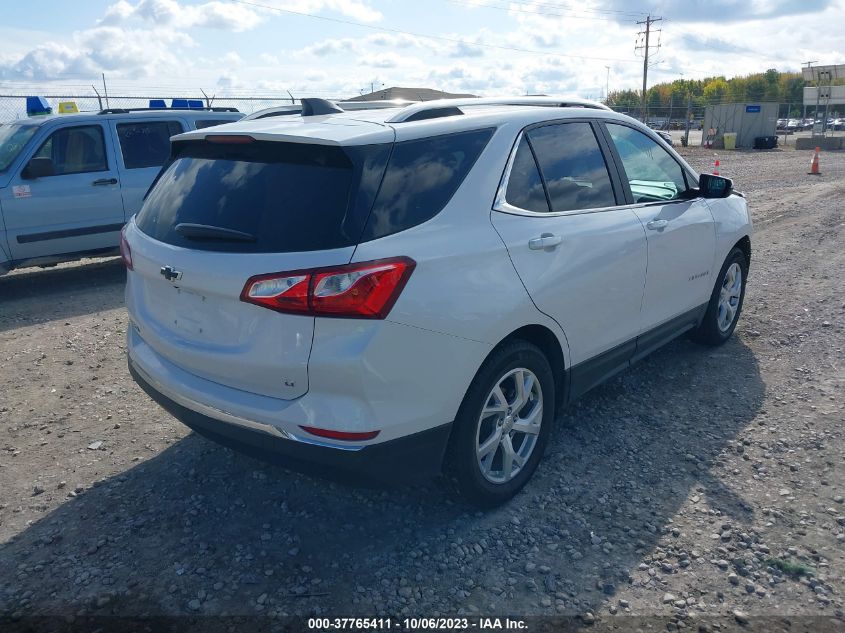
405	290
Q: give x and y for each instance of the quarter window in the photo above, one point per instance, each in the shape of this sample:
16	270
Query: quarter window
147	143
651	172
75	150
572	166
421	177
525	187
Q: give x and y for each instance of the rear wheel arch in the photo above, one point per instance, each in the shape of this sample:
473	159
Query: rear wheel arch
552	347
548	342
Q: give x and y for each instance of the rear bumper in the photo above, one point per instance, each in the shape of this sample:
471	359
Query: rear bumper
406	459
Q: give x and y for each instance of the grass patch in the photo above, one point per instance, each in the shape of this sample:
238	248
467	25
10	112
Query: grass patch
796	570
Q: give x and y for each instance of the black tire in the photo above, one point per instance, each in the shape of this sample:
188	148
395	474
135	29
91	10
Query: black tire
709	332
461	459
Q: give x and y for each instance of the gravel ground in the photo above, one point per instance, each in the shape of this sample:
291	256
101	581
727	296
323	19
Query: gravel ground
702	482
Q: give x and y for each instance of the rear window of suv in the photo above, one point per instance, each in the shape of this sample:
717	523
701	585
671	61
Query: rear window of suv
288	197
269	197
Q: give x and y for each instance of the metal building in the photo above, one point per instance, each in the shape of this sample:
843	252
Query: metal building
746	120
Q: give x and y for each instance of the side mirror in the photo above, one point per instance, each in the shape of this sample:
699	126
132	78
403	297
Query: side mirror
710	186
38	168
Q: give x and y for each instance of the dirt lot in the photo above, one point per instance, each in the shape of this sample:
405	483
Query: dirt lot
699	483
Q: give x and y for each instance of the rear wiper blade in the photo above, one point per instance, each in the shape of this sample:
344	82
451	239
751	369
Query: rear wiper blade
207	232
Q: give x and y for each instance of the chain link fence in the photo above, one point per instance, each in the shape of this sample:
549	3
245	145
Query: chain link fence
671	116
14	106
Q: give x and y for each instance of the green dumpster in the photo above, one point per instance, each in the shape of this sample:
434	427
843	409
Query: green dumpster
730	140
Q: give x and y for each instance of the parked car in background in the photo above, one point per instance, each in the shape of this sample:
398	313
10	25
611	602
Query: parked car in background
68	183
409	289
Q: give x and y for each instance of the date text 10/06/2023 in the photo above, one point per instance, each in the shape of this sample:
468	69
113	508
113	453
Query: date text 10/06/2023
416	624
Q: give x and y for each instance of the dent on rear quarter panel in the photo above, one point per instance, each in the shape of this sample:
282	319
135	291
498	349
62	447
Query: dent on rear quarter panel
404	379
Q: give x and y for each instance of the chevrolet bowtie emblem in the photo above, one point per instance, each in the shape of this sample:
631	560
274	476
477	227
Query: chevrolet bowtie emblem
170	273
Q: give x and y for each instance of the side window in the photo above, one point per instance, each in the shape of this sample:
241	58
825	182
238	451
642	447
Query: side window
525	188
652	173
75	150
204	123
572	166
421	177
146	143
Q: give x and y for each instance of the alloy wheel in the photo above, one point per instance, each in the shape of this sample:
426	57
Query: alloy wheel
509	425
729	296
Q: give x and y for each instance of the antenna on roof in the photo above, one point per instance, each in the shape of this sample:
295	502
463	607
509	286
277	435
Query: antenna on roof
312	106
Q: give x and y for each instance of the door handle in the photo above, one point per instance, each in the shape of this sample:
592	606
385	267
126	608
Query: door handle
656	225
104	181
545	241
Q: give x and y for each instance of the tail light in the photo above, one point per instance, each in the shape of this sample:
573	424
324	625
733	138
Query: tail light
125	251
356	291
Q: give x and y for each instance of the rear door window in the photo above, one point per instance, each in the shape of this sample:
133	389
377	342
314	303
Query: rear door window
282	197
572	166
421	178
75	150
146	143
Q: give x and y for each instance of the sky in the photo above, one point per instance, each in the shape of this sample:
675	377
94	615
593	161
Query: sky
341	48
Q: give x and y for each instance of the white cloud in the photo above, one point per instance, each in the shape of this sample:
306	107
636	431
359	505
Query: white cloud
231	59
356	9
129	53
465	49
170	13
388	60
151	43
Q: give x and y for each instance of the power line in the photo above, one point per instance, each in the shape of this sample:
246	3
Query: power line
563	5
442	38
515	9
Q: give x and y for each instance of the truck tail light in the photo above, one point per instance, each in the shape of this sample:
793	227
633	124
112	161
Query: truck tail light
365	290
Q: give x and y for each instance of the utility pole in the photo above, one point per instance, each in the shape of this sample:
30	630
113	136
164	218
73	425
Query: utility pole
808	65
689	117
607	86
645	48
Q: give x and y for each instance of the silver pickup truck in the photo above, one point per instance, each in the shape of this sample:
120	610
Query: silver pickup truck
69	183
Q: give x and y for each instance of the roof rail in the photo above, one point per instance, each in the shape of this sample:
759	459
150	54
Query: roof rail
346	106
412	112
127	110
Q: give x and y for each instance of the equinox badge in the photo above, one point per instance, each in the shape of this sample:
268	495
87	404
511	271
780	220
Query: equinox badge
170	273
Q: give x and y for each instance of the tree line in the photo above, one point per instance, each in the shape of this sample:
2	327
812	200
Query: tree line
782	87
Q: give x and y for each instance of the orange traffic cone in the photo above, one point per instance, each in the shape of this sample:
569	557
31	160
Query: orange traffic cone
814	164
716	167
